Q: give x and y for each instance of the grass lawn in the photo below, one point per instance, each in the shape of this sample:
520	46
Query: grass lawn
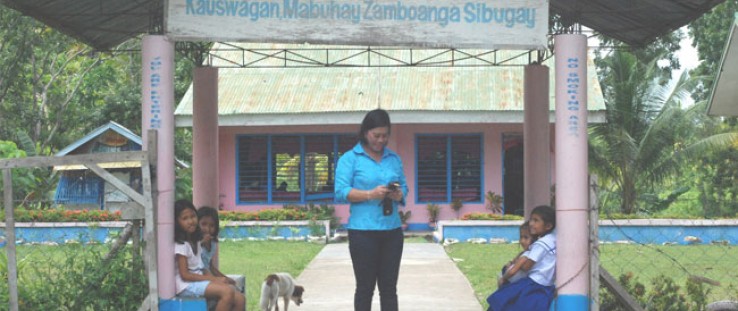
481	264
257	259
253	259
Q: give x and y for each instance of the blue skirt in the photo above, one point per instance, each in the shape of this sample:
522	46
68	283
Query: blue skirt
522	295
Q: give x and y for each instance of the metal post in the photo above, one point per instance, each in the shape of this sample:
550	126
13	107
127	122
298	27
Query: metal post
205	190
10	242
594	244
157	88
572	193
536	139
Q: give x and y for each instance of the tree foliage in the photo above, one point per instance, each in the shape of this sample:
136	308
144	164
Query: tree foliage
47	81
634	149
709	34
715	172
661	52
54	90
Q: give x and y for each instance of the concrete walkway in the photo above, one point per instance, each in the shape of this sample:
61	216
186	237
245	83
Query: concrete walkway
429	280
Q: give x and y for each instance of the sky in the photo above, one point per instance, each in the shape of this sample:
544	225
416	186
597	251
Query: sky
687	55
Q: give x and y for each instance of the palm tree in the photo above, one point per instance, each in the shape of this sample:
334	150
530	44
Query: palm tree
634	149
713	168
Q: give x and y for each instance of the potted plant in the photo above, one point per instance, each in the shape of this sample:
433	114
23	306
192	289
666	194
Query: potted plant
433	211
494	202
456	205
404	216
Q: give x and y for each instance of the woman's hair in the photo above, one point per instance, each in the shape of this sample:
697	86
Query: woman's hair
207	211
373	119
180	236
547	214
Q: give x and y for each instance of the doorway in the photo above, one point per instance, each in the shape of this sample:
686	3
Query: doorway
512	178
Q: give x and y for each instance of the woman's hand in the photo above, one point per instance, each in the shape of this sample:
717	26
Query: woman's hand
377	193
395	195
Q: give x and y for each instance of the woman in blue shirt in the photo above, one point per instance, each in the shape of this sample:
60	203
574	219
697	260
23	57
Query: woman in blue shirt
371	178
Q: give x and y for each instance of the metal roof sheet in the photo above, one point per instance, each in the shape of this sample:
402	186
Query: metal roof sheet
634	22
100	24
253	91
110	126
105	24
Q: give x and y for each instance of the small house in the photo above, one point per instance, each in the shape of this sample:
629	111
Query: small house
80	188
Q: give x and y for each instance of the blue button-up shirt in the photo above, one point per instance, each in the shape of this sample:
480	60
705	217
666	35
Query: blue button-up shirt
357	170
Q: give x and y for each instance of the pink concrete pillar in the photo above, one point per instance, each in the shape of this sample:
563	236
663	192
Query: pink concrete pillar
572	192
536	139
205	190
157	88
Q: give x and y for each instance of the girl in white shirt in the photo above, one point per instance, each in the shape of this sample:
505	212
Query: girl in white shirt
537	290
511	272
191	277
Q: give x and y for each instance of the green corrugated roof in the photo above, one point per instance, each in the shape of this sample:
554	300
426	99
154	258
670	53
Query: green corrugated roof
254	91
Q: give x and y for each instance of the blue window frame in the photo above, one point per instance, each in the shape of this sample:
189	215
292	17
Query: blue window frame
449	167
288	168
79	187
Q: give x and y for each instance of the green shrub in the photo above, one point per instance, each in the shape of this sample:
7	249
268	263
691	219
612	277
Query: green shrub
315	228
643	216
265	214
631	285
664	294
317	212
75	278
61	215
290	212
489	216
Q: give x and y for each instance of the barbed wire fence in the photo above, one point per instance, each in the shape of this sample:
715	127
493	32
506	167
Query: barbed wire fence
686	264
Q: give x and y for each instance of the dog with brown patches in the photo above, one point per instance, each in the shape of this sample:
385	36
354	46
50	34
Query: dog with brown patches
279	285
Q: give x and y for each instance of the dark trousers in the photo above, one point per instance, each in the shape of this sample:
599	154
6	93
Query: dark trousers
376	258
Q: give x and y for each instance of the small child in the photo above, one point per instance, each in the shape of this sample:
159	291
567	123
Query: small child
535	292
526	239
191	278
210	227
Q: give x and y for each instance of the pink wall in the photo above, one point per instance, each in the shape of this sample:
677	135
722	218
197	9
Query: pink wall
402	142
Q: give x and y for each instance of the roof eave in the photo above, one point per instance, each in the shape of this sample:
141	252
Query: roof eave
111	125
355	117
724	96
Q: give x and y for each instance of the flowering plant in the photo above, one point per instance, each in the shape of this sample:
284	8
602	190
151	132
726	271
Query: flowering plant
60	215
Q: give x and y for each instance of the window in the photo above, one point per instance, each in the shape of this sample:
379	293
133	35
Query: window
79	187
289	168
449	167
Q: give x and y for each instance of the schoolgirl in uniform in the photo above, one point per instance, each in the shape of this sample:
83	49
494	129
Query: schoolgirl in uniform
535	292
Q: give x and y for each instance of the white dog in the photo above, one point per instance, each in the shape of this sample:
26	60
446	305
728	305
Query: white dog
279	285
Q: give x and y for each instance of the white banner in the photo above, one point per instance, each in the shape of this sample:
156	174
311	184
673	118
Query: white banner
488	24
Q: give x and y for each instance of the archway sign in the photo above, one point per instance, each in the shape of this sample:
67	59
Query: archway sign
492	24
